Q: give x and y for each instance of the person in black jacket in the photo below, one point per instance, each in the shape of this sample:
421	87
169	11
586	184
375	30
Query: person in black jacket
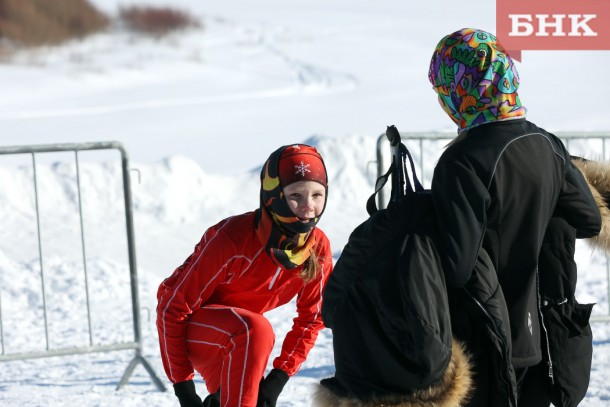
496	187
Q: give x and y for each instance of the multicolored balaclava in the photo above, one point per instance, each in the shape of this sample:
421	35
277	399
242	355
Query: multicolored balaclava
475	79
287	239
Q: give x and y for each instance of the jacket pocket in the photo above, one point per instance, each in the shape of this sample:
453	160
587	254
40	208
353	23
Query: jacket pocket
571	349
581	313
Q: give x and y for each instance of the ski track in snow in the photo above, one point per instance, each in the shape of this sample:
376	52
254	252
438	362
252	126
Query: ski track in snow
270	37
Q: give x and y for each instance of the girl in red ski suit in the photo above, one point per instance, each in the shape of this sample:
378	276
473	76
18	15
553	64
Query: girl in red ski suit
210	310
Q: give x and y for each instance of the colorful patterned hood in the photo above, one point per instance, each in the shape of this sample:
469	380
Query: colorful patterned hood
475	79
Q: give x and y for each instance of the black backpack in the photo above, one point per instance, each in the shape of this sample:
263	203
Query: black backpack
386	300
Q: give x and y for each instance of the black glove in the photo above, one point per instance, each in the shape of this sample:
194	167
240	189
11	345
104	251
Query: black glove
185	391
271	387
213	400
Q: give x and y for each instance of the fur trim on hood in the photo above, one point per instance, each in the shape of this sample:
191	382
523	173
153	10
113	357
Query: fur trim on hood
597	175
452	390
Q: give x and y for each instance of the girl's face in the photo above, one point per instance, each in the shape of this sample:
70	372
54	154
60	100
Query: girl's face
305	198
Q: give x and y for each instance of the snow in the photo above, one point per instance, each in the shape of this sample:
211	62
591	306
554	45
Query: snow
198	113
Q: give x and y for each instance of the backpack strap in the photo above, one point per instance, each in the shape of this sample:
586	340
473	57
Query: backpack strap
371	203
401	182
417	185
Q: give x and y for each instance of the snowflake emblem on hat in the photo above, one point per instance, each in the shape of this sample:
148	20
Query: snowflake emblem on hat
302	168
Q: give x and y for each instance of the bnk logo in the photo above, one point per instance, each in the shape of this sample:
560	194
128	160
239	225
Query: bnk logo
558	25
553	25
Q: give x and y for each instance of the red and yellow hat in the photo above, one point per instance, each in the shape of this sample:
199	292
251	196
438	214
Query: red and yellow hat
300	162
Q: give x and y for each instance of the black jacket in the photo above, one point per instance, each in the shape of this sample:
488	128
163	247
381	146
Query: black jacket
479	318
497	188
568	340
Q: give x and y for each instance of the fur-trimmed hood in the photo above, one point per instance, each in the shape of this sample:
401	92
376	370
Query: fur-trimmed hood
597	175
451	391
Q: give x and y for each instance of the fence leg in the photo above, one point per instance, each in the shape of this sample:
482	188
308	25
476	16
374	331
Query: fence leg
138	358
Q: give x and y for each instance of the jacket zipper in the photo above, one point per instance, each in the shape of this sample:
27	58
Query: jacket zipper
277	274
546	334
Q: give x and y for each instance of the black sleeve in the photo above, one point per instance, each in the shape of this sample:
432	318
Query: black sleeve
577	206
460	201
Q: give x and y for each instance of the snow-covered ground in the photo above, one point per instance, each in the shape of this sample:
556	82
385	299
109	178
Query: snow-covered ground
198	113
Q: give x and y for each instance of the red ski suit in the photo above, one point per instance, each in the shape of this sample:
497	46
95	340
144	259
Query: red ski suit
209	312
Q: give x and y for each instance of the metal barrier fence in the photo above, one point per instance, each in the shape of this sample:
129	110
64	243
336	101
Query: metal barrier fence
136	344
578	143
